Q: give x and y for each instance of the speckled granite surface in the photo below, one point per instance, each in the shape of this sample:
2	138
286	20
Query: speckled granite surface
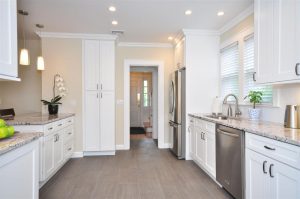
37	118
271	130
16	141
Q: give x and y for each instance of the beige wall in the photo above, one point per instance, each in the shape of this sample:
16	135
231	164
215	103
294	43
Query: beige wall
63	56
24	96
122	53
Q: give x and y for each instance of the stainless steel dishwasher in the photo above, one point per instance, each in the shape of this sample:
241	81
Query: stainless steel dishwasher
230	156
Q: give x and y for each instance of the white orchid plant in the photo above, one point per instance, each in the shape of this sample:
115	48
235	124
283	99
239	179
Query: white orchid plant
59	91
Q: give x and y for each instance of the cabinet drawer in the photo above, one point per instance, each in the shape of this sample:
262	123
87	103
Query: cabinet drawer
68	121
198	123
50	128
283	152
68	134
68	149
209	126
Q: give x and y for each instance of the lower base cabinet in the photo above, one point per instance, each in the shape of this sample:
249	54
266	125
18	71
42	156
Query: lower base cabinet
203	144
19	172
268	178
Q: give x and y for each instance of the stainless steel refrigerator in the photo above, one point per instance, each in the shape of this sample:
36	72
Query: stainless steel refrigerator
177	113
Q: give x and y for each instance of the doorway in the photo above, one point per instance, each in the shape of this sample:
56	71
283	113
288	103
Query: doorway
156	113
141	102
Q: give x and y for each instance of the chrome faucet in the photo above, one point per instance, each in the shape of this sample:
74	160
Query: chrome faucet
229	110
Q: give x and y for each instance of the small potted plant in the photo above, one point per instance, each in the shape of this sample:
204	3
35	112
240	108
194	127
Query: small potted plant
58	86
255	97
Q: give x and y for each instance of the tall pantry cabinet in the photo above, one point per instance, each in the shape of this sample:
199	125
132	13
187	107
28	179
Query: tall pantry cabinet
99	97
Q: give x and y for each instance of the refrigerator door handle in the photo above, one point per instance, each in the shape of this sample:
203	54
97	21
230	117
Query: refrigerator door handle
172	102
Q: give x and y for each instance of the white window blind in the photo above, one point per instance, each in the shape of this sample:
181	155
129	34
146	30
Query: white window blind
230	70
249	83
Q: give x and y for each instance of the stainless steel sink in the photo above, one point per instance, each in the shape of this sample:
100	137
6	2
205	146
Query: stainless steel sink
219	117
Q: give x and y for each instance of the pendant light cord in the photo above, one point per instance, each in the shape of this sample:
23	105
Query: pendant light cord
24	30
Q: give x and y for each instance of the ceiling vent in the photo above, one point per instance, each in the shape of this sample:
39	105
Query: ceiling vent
117	32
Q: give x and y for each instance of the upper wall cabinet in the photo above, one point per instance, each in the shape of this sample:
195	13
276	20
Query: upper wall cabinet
8	40
99	61
277	37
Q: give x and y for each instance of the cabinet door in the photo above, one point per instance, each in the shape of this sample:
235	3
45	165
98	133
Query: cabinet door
107	121
285	182
266	62
257	182
8	38
48	150
91	61
107	65
287	47
58	149
92	121
210	150
200	146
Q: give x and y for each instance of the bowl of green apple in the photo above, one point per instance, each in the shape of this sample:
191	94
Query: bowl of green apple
5	130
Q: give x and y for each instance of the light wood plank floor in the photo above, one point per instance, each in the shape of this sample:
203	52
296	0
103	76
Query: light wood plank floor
144	172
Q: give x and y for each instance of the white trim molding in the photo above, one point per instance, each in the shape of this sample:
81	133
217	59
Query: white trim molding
161	121
145	45
243	15
199	32
63	35
77	154
121	147
98	153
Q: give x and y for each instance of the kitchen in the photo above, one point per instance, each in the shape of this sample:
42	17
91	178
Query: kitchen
248	45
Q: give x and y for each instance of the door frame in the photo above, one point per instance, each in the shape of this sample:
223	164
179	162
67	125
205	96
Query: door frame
160	120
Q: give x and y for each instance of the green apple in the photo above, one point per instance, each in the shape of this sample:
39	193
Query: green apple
2	123
3	132
10	130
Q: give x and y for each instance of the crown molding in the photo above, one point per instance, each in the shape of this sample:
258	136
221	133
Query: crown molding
145	45
63	35
199	32
240	17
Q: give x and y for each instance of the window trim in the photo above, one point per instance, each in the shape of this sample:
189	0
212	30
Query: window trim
240	37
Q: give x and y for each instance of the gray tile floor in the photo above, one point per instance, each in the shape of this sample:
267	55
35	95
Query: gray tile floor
141	173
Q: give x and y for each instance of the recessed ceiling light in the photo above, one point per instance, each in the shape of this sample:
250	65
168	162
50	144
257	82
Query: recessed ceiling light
188	12
112	8
114	22
220	13
170	38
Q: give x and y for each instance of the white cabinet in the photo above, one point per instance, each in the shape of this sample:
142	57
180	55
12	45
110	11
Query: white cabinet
266	176
191	131
203	145
99	65
8	40
56	146
277	39
19	172
99	100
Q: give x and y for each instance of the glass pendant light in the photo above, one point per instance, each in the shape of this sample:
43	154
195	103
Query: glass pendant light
40	64
24	54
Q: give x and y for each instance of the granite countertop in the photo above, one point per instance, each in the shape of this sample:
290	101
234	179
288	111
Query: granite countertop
37	118
16	141
271	130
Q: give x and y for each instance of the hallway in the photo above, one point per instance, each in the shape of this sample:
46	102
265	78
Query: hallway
144	172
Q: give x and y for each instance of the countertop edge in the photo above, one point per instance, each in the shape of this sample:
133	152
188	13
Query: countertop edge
263	134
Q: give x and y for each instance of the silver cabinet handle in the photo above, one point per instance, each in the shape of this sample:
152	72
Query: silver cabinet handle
269	148
70	133
264	167
203	136
50	128
69	149
270	170
253	76
55	138
97	86
59	125
296	69
101	86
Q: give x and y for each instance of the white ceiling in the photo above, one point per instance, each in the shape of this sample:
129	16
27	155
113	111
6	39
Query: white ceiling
142	20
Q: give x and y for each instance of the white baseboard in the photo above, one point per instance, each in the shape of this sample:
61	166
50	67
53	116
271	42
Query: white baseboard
121	147
77	154
98	153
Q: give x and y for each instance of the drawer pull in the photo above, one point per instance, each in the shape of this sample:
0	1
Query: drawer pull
270	171
296	69
69	149
269	148
70	121
264	167
69	133
59	125
50	128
